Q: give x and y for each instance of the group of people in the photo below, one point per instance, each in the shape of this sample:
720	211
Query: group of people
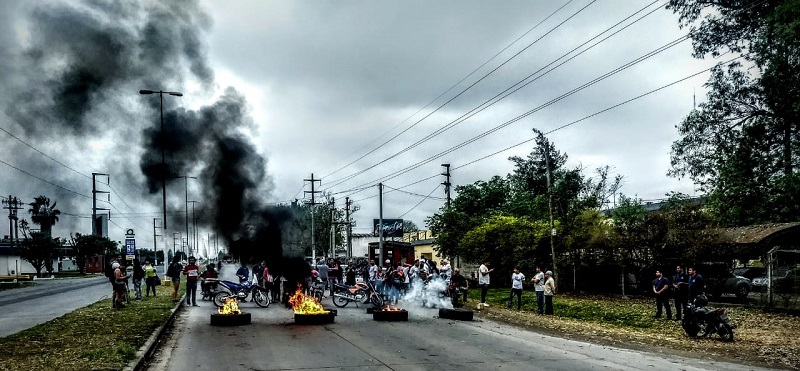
683	288
118	276
543	283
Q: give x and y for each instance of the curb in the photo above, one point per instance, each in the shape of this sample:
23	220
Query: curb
146	351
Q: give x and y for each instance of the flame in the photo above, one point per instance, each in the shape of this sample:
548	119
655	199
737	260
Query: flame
389	308
231	306
305	304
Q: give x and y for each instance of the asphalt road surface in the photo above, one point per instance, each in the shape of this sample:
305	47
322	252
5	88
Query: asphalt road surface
356	342
26	307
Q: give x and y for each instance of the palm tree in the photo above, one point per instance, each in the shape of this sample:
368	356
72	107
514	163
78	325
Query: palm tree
44	214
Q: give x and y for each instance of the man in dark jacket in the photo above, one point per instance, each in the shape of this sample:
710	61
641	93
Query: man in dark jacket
697	285
661	290
681	287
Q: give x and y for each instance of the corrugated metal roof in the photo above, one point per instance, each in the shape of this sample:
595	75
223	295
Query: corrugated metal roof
754	234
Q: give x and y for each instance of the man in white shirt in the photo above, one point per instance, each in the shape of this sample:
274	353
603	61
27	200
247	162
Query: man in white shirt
373	270
516	288
444	271
483	280
538	285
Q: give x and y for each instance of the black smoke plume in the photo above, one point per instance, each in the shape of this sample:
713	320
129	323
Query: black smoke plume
73	76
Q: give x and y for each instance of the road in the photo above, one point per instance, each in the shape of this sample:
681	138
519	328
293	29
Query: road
355	341
27	307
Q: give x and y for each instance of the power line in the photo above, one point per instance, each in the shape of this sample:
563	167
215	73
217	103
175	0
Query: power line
532	111
420	201
44	180
571	123
505	93
414	194
467	88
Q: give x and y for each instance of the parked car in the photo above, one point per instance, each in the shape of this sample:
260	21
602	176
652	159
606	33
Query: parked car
750	273
720	280
783	280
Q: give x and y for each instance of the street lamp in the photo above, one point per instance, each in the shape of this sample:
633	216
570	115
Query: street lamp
163	166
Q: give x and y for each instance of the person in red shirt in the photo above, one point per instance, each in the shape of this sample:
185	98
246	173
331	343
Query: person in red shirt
192	273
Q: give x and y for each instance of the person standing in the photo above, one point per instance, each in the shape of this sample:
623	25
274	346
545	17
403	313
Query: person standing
516	288
538	285
174	273
138	274
243	273
549	292
661	290
373	273
192	273
149	278
120	280
484	279
322	272
681	287
445	271
697	285
458	286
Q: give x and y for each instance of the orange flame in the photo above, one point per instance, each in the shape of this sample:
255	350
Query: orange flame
305	304
389	308
231	306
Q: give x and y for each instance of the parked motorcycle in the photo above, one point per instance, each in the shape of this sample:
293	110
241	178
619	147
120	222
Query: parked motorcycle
360	293
260	295
699	321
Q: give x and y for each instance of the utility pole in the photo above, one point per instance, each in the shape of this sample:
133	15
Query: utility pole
550	206
186	205
155	244
194	229
96	229
349	227
332	244
175	242
380	224
313	205
13	204
447	183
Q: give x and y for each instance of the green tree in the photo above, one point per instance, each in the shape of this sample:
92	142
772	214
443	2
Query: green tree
38	250
506	241
86	245
742	144
409	226
44	214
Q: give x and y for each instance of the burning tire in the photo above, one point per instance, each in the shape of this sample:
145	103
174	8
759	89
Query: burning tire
390	315
230	319
314	319
459	314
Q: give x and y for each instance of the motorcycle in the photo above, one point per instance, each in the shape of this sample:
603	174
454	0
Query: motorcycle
208	288
260	295
360	293
699	321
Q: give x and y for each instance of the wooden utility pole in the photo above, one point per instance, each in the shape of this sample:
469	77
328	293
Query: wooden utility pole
313	203
446	183
550	206
380	225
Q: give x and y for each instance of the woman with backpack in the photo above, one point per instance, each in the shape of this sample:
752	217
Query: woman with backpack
174	273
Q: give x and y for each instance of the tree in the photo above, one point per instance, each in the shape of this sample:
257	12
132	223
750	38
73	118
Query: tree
742	145
44	214
409	226
532	171
506	241
89	245
38	250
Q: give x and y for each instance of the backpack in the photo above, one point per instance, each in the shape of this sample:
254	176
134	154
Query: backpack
110	273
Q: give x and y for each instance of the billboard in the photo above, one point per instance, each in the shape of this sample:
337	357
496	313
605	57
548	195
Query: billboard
391	227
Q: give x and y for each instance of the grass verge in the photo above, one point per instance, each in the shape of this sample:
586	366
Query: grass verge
95	337
766	339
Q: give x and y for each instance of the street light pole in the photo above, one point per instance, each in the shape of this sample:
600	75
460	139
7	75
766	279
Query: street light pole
163	165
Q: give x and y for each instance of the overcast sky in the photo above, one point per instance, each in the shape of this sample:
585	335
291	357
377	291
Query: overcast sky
327	82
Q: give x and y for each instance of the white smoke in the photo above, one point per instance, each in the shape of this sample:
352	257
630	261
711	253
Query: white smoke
428	295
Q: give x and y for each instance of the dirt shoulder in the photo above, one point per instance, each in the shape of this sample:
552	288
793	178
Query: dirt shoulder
761	339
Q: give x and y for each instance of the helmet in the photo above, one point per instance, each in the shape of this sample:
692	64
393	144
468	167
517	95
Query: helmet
115	265
701	300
